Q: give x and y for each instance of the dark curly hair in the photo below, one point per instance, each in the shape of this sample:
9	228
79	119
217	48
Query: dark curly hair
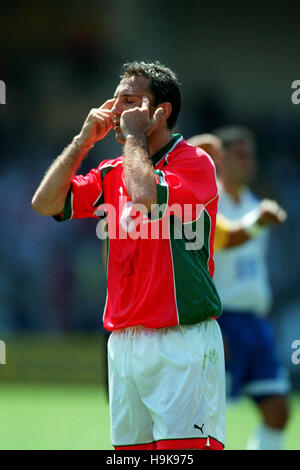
162	82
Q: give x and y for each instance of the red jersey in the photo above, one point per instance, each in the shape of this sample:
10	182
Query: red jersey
160	266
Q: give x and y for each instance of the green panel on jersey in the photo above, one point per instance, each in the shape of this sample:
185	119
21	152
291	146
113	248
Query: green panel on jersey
196	295
162	191
103	172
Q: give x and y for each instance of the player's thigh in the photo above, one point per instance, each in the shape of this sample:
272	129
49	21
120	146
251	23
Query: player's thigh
131	422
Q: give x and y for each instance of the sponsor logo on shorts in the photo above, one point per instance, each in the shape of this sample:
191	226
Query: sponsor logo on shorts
199	427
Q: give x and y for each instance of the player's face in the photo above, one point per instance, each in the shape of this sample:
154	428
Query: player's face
240	162
129	95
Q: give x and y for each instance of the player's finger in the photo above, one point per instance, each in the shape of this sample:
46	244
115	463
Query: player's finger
102	121
108	104
102	116
145	102
106	113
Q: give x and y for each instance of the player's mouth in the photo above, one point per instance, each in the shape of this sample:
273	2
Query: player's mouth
118	132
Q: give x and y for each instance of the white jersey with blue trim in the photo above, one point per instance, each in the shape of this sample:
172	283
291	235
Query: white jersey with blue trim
241	274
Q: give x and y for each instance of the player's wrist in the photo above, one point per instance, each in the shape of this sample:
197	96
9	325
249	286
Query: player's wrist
136	139
139	136
251	224
82	143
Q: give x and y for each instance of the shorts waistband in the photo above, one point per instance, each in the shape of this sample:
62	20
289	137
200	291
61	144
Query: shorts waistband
141	328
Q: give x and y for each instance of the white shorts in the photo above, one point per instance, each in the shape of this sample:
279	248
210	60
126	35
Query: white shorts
167	387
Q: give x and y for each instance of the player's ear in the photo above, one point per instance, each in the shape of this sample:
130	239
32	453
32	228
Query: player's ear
166	109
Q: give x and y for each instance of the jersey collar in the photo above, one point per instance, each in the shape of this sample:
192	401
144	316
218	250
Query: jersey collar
158	156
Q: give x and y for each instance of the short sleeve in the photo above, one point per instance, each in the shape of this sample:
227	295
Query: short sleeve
185	186
84	195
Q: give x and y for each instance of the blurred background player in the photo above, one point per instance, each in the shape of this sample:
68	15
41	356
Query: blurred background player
230	233
242	281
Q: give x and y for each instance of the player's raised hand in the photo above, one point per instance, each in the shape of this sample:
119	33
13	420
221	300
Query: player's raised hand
138	121
271	213
97	124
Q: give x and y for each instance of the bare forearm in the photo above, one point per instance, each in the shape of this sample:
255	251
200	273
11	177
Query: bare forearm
138	171
229	233
49	198
237	236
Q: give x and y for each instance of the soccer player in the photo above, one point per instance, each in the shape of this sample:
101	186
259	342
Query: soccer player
165	352
242	281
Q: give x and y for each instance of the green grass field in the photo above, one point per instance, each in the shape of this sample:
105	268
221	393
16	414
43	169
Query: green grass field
71	417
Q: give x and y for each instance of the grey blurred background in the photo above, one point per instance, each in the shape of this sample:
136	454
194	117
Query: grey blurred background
236	63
